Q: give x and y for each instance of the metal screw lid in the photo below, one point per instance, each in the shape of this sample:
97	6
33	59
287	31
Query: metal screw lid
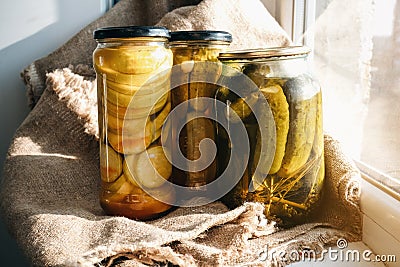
265	52
201	36
131	31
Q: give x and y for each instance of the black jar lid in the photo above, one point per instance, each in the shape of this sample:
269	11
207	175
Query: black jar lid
131	31
265	52
208	35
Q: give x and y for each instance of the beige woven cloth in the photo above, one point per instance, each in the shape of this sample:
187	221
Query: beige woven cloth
49	194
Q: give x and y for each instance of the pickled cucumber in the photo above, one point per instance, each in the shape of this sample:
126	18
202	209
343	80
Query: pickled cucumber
131	126
318	146
232	69
257	73
137	101
312	180
302	115
110	163
120	186
128	144
224	95
152	167
182	57
280	110
200	71
194	69
206	54
132	112
206	68
181	54
137	80
262	150
133	60
152	85
242	107
197	130
159	120
128	167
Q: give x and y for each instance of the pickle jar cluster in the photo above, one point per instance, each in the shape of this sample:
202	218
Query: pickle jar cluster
144	73
195	55
290	176
133	67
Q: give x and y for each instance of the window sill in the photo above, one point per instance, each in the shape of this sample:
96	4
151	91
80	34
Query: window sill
380	206
381	220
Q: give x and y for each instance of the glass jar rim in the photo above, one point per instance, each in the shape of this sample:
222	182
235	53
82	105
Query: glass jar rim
265	52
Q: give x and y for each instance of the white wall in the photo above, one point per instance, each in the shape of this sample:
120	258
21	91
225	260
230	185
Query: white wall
30	30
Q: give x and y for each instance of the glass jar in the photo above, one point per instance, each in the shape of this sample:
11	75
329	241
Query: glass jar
196	56
133	66
287	174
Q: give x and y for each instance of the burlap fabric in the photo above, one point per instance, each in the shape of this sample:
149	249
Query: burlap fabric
49	194
78	50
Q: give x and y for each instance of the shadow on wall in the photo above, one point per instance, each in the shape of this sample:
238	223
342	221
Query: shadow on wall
69	18
11	255
14	58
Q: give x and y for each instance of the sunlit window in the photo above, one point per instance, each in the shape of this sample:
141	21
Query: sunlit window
381	142
356	47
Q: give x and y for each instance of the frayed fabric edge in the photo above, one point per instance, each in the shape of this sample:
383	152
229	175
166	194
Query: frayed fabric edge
79	91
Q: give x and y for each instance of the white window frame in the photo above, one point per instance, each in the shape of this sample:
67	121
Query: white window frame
295	17
380	195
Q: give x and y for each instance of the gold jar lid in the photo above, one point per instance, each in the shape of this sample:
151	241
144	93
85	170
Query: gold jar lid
265	52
